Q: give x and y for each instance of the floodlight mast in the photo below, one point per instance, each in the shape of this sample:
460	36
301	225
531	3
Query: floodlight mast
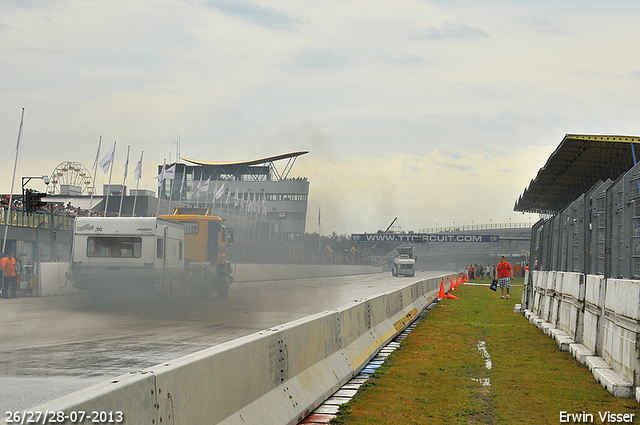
15	166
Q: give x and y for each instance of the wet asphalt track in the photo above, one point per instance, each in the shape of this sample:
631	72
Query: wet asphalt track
52	346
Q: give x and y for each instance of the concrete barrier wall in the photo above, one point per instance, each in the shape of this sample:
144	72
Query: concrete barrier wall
52	280
601	314
278	375
257	272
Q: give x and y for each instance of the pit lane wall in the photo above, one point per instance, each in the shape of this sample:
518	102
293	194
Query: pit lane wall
597	319
276	376
52	281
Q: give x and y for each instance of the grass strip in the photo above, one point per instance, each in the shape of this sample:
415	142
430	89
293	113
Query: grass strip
440	375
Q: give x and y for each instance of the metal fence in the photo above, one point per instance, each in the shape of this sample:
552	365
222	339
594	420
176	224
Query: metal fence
39	219
599	233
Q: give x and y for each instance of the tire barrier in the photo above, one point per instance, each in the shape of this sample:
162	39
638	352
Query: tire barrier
276	376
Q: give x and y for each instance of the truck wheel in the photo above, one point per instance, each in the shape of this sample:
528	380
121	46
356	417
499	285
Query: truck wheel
223	287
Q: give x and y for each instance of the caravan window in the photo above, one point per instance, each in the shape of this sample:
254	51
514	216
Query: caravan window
114	247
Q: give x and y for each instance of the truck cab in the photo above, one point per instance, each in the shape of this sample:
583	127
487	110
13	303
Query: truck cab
404	262
206	239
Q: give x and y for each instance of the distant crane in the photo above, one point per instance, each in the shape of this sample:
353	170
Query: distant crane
374	245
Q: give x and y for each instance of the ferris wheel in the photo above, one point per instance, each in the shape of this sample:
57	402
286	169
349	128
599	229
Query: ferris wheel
72	176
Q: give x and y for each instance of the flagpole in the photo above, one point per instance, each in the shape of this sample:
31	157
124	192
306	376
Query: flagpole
260	211
95	169
206	199
9	218
170	194
184	178
113	154
233	211
160	182
124	181
135	198
319	233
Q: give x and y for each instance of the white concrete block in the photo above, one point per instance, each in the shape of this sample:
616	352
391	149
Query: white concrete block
527	314
592	294
518	309
556	283
590	330
564	342
538	322
545	326
580	352
619	346
614	382
571	284
595	362
622	297
556	333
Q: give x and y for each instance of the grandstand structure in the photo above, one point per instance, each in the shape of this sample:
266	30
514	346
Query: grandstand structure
260	200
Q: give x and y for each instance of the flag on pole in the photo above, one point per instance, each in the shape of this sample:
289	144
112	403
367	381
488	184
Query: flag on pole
264	204
194	190
95	163
184	177
318	216
137	172
126	165
160	176
235	198
205	186
219	192
170	173
105	163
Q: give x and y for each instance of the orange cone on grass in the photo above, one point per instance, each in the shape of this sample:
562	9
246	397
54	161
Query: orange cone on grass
457	282
453	297
441	295
452	287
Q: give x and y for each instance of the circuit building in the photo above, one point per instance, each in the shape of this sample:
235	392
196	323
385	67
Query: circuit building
242	192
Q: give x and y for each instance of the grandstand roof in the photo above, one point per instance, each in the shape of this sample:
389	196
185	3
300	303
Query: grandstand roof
250	162
579	162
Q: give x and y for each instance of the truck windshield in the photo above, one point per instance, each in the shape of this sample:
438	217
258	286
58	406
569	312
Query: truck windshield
119	247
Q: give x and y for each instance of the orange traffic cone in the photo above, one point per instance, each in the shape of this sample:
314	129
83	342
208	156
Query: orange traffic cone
452	287
457	282
441	295
453	297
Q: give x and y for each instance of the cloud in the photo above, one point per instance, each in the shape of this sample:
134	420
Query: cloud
405	58
318	58
450	31
268	17
542	25
359	194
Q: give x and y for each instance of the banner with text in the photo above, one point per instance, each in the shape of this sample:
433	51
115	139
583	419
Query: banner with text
422	237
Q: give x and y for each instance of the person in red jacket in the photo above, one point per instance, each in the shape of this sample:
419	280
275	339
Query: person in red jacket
505	275
8	264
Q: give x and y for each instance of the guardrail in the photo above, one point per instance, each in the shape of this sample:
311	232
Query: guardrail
278	375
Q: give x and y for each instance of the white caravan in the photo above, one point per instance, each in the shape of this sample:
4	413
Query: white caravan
118	254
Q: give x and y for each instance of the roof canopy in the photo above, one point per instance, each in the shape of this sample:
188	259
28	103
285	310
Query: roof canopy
250	162
574	167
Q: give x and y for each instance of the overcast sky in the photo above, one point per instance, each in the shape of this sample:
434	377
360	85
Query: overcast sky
429	111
